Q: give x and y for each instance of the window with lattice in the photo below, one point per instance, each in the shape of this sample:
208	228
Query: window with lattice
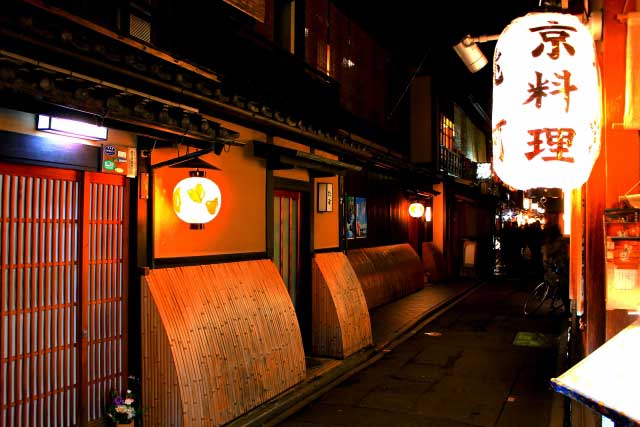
447	132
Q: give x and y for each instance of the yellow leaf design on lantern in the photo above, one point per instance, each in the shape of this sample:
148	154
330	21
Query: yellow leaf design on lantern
177	202
212	205
196	193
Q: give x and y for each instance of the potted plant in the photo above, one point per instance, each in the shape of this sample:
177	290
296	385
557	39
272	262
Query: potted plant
121	410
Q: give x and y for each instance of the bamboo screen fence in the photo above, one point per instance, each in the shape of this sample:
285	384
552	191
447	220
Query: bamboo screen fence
217	341
63	296
341	324
387	272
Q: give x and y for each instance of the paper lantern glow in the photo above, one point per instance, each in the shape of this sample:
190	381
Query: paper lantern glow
546	102
416	210
196	200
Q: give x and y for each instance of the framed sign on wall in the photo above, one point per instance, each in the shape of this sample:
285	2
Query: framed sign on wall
325	197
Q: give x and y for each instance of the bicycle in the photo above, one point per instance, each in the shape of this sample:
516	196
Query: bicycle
548	289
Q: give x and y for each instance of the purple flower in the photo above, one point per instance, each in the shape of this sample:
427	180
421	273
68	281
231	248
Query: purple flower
118	400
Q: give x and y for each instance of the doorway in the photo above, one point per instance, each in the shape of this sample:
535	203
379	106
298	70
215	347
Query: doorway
291	253
286	239
63	304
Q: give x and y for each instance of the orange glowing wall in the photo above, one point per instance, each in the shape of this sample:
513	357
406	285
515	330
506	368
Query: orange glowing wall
621	147
239	227
616	171
326	225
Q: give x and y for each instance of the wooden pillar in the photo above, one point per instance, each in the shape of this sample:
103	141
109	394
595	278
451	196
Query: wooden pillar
595	258
577	235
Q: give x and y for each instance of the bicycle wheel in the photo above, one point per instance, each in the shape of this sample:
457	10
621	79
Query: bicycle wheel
536	298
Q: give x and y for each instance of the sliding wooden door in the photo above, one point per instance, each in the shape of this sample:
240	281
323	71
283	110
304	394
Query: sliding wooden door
286	239
63	276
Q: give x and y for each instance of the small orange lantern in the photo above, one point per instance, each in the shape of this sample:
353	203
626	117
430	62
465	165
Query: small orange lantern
196	199
546	102
416	210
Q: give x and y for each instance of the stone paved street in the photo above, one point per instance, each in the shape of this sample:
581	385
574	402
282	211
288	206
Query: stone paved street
463	369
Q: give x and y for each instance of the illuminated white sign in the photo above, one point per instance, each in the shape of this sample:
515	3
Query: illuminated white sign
546	102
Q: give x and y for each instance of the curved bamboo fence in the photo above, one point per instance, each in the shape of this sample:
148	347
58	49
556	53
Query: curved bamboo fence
341	324
217	341
387	272
433	262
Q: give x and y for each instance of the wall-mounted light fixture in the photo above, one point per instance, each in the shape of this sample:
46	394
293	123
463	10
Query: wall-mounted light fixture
72	128
546	102
471	54
427	214
416	210
325	197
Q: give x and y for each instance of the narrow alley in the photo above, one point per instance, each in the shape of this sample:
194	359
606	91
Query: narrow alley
481	363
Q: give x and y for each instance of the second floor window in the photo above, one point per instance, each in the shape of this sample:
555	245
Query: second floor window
447	132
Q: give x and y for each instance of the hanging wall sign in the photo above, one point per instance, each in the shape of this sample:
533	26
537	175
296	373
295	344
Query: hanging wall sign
546	102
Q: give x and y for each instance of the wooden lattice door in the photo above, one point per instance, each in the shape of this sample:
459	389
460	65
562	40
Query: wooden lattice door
286	235
63	276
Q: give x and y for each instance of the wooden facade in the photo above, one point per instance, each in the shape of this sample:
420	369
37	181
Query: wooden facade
387	272
341	324
217	341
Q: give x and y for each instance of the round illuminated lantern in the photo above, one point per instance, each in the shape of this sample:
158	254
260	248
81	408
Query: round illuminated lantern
196	199
416	210
546	102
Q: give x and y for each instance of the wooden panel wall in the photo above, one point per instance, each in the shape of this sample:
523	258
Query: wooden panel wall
387	272
233	341
388	220
341	324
